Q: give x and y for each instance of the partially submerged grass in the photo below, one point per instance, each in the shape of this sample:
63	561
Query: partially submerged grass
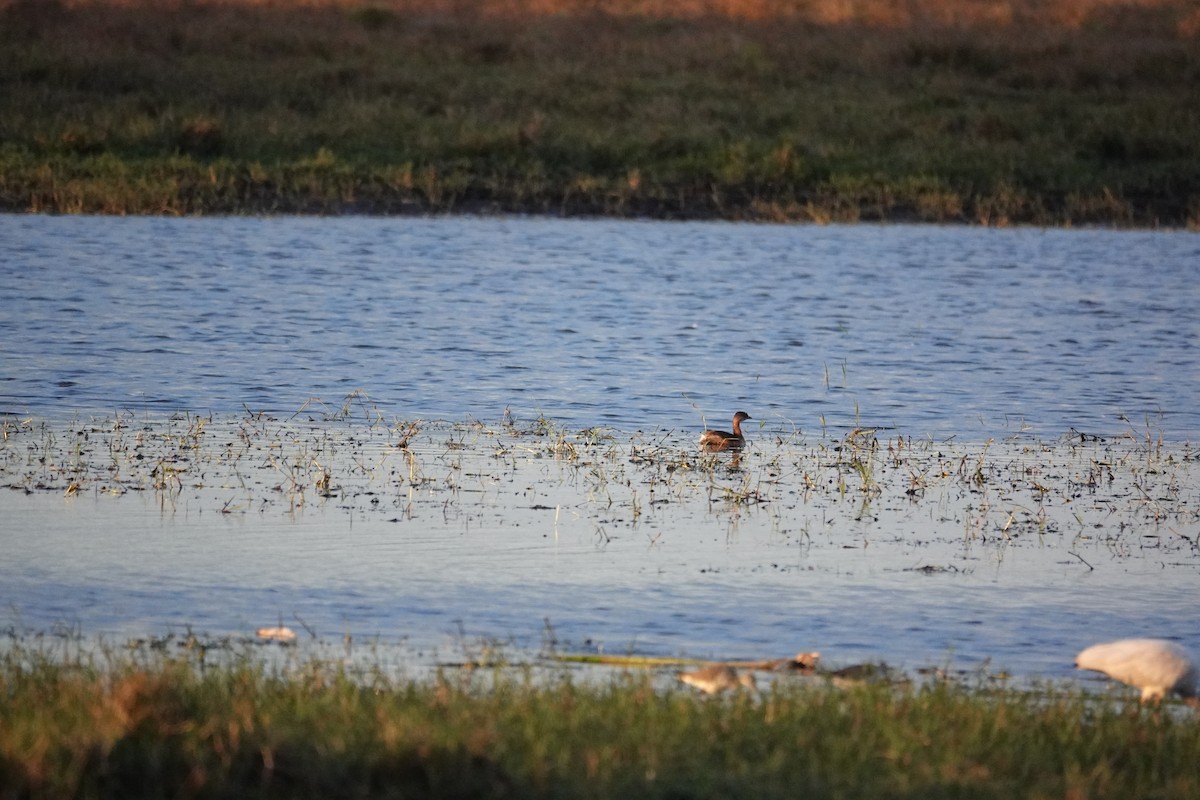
1128	491
159	726
1051	113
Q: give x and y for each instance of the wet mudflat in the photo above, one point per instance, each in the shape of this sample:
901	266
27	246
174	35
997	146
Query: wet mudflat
436	539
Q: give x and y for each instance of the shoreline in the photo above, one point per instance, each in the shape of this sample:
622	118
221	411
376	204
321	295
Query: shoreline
837	211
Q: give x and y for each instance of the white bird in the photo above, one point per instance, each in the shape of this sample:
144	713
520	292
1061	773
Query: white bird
1155	666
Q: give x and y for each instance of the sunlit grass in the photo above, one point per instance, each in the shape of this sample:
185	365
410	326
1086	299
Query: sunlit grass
137	725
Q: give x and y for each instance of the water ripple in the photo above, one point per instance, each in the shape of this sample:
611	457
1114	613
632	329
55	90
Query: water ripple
934	330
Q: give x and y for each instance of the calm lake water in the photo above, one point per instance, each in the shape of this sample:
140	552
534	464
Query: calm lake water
945	331
952	336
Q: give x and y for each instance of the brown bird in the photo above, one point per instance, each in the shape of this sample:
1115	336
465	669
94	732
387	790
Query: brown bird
715	441
714	678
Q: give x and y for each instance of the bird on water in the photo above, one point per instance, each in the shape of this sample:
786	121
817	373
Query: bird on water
714	678
714	441
1156	666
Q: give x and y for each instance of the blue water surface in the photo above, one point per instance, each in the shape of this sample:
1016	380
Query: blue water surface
932	330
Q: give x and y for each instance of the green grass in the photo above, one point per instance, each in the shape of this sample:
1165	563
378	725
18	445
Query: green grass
142	726
249	108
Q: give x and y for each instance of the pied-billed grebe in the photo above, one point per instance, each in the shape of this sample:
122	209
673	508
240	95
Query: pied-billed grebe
712	441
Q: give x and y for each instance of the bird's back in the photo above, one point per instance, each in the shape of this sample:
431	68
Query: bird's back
1156	666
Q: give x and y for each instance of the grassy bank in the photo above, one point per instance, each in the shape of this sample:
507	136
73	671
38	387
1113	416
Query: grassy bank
139	726
1081	113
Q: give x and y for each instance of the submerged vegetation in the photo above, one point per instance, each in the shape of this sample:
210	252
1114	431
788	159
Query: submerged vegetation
1116	493
1113	494
1008	112
133	726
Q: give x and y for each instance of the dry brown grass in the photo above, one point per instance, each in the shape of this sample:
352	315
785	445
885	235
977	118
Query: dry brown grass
1180	16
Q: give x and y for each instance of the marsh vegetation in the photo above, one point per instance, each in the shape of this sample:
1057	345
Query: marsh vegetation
421	508
220	715
133	726
1131	484
1047	113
